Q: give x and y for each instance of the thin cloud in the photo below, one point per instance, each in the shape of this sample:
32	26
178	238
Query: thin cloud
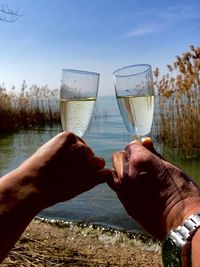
180	13
157	20
141	30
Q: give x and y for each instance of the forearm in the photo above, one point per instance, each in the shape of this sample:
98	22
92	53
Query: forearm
33	187
195	249
19	203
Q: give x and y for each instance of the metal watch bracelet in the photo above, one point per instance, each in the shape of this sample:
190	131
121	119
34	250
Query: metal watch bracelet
176	249
186	231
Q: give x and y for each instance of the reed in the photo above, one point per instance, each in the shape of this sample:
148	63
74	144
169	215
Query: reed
177	120
31	107
178	124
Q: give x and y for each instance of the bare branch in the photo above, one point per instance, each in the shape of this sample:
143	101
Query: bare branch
9	15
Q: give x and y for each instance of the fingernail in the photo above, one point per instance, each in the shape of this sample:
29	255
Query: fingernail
146	140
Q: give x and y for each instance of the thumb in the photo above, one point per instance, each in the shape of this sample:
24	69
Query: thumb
148	144
119	159
103	176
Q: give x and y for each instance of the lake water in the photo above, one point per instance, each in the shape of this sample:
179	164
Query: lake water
105	135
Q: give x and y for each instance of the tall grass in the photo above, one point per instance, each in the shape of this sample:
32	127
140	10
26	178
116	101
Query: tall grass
31	107
178	112
179	104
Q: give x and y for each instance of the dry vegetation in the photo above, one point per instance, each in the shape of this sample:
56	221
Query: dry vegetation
32	107
179	104
178	115
48	244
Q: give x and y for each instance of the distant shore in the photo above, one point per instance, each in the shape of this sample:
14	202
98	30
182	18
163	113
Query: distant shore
52	244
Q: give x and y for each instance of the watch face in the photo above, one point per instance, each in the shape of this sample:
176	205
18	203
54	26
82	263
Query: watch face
171	254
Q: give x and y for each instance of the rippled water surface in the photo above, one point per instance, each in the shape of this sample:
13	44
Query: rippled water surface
105	135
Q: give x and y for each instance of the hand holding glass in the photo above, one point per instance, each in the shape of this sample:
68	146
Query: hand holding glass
78	95
135	96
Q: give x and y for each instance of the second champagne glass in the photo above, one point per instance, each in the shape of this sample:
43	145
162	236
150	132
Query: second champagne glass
135	96
78	95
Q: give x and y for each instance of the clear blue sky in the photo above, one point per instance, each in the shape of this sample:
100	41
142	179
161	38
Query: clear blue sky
94	35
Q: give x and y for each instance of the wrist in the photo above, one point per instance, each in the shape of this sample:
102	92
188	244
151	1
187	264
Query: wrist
182	199
181	211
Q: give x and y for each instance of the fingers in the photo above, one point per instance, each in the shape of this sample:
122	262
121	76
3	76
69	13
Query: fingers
67	137
79	152
89	152
148	143
81	140
112	180
129	149
113	177
95	162
103	175
119	160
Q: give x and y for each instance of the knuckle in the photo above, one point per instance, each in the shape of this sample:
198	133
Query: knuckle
68	136
141	160
132	147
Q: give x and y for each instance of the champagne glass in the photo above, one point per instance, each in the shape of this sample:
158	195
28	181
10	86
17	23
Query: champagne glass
78	95
135	96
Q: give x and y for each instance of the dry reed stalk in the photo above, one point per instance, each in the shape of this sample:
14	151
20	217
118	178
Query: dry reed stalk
179	104
32	107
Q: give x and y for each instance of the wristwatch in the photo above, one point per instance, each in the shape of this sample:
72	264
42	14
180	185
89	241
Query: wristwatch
176	248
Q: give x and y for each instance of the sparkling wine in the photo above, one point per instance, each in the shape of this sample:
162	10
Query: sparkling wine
137	113
76	114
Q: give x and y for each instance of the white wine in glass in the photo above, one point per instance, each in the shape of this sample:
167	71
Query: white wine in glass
135	96
78	95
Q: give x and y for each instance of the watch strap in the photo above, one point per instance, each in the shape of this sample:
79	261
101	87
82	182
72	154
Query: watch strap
181	238
186	231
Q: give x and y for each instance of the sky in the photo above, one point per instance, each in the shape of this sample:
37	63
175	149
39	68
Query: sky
93	35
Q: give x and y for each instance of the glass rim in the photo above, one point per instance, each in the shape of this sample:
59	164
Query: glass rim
81	72
131	66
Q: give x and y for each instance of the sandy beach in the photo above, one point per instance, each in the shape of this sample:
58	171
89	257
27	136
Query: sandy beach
55	244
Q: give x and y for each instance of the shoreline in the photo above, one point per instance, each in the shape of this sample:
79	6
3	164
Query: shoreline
53	243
